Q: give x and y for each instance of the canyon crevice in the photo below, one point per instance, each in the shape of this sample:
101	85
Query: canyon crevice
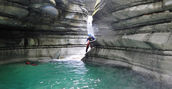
132	33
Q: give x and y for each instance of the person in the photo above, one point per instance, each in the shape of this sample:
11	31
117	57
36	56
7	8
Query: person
30	63
89	40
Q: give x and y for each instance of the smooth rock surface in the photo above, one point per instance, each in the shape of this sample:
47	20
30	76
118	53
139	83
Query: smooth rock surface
134	34
38	29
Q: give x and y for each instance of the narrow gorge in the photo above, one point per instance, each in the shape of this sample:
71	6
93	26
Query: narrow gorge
134	34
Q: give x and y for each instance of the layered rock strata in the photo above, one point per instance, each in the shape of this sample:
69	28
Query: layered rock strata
42	29
135	34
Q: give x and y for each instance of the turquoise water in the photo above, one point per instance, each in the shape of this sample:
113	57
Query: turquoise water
72	75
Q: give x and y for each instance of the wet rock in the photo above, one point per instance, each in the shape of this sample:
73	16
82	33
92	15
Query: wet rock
30	27
18	12
135	34
137	11
167	4
143	20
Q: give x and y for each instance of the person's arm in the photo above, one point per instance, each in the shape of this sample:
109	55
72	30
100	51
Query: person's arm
93	39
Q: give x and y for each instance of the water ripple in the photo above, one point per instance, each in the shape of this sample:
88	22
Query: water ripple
73	74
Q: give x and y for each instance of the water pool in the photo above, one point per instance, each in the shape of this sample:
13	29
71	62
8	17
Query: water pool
72	74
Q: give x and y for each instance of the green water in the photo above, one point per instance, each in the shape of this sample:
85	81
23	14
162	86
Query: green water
72	75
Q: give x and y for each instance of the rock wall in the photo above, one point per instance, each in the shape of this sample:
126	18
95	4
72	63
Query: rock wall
39	28
135	34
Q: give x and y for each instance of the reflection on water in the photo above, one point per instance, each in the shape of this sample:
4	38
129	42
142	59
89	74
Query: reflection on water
72	74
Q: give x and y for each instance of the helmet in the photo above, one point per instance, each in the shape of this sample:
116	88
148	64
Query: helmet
89	35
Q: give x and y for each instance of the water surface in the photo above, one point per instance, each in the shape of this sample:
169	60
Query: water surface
72	74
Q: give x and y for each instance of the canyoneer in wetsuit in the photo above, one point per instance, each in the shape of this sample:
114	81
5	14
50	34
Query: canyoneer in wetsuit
89	40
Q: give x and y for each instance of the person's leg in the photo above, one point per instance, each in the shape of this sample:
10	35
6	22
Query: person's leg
87	46
91	45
